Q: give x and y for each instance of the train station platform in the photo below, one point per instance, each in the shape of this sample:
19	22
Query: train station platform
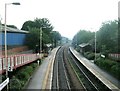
42	77
110	81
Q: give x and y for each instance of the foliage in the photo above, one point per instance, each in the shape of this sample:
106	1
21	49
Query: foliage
15	84
38	23
22	75
56	37
25	73
34	65
107	37
89	55
115	69
33	38
27	25
110	66
119	35
106	42
29	70
82	36
34	28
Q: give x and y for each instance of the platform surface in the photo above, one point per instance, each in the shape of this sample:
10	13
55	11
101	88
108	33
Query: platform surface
39	78
106	78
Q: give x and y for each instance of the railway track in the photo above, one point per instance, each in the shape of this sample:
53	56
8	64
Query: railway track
60	77
69	74
89	80
76	83
64	78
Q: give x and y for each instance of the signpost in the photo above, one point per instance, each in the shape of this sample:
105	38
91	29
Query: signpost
10	68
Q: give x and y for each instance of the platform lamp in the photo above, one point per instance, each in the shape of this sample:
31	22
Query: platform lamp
95	45
41	34
14	3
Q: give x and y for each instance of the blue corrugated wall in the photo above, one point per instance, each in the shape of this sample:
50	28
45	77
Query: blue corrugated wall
13	38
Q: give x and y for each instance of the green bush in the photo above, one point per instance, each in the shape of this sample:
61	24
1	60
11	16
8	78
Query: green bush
15	84
22	83
23	76
86	53
34	65
29	70
115	69
110	66
89	55
2	78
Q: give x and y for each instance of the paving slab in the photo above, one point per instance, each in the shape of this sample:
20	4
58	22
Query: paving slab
39	78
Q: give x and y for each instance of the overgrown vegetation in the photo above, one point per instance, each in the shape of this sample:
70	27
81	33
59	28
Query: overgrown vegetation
110	66
82	36
20	77
107	38
89	55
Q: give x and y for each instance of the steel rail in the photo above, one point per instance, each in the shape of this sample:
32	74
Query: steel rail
109	86
57	64
76	72
84	74
57	77
68	84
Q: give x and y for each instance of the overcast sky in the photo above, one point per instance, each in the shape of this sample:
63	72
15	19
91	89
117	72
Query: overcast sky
67	16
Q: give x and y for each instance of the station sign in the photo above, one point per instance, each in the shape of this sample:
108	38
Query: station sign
10	68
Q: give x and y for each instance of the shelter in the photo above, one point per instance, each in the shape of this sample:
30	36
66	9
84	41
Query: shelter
84	47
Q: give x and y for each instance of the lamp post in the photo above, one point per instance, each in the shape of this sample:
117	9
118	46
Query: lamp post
40	41
76	40
95	46
15	3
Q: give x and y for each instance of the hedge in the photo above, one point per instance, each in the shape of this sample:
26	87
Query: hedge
15	84
21	77
89	55
110	66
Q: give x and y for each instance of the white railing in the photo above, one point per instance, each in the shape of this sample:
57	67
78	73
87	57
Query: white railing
17	60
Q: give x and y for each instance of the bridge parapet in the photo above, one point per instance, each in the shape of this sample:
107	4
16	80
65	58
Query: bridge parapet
15	61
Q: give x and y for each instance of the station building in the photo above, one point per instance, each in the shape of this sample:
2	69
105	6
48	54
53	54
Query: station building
15	37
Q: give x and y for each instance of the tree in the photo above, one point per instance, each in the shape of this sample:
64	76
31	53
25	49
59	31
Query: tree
38	23
32	39
82	36
56	37
44	23
27	25
119	35
34	28
107	37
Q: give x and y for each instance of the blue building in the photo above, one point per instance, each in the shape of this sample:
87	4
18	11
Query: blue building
15	37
